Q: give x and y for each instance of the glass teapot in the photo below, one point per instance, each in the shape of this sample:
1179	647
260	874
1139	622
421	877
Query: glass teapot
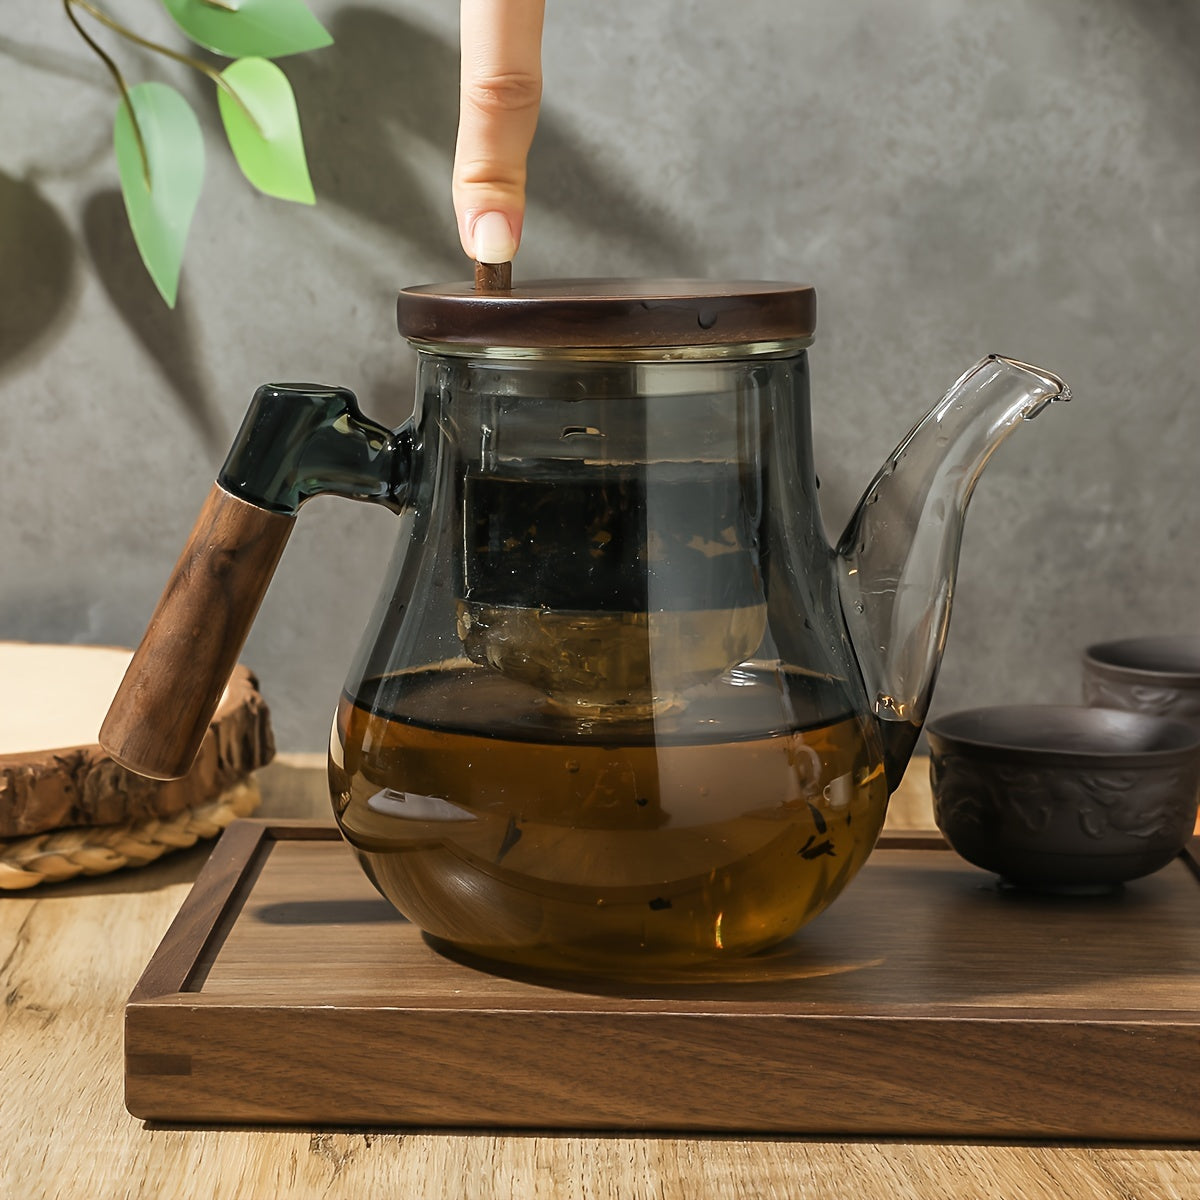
620	704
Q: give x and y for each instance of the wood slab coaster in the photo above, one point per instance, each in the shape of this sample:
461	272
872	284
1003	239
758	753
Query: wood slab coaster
55	777
926	1002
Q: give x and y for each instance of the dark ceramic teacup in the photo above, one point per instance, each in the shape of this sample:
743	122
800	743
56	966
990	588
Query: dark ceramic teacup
1159	676
1064	798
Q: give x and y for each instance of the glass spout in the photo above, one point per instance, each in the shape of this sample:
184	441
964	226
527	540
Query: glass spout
899	554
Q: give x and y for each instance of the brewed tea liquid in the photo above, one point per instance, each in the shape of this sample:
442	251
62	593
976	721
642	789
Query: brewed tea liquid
498	827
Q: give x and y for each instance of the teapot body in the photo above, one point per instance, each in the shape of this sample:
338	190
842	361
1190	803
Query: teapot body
607	715
621	708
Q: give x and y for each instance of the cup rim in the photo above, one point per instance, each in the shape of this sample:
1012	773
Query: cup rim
965	731
1117	659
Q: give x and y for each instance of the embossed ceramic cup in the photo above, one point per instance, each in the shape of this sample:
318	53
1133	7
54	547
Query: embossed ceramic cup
1159	676
1061	797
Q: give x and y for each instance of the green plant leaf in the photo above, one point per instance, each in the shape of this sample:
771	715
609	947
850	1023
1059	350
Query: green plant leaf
250	28
160	208
263	128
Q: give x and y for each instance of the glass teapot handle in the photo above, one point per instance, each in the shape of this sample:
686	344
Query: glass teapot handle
297	441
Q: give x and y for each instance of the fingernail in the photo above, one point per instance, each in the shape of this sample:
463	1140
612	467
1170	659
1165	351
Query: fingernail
493	238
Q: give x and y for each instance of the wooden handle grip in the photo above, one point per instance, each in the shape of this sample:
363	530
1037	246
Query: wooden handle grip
166	701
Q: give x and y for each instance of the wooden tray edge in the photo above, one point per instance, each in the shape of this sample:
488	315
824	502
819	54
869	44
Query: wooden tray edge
415	1074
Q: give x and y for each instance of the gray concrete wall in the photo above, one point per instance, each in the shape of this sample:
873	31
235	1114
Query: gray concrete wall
956	177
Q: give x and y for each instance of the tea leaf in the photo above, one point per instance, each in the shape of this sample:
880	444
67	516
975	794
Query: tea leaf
161	192
250	28
263	128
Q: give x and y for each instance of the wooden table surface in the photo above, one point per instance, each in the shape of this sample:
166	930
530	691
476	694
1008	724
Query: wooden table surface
70	954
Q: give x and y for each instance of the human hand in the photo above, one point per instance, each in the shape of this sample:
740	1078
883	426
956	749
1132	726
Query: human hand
501	88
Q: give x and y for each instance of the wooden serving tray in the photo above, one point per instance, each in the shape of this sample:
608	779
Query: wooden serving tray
927	1001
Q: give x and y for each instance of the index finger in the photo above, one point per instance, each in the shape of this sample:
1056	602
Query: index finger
500	93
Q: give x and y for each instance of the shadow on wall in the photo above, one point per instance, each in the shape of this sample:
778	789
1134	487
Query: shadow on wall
380	113
37	264
1173	25
163	334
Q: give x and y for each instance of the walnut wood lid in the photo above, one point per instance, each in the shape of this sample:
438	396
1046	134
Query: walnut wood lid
609	313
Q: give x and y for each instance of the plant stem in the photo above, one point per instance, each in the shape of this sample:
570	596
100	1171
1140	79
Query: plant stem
195	63
119	79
